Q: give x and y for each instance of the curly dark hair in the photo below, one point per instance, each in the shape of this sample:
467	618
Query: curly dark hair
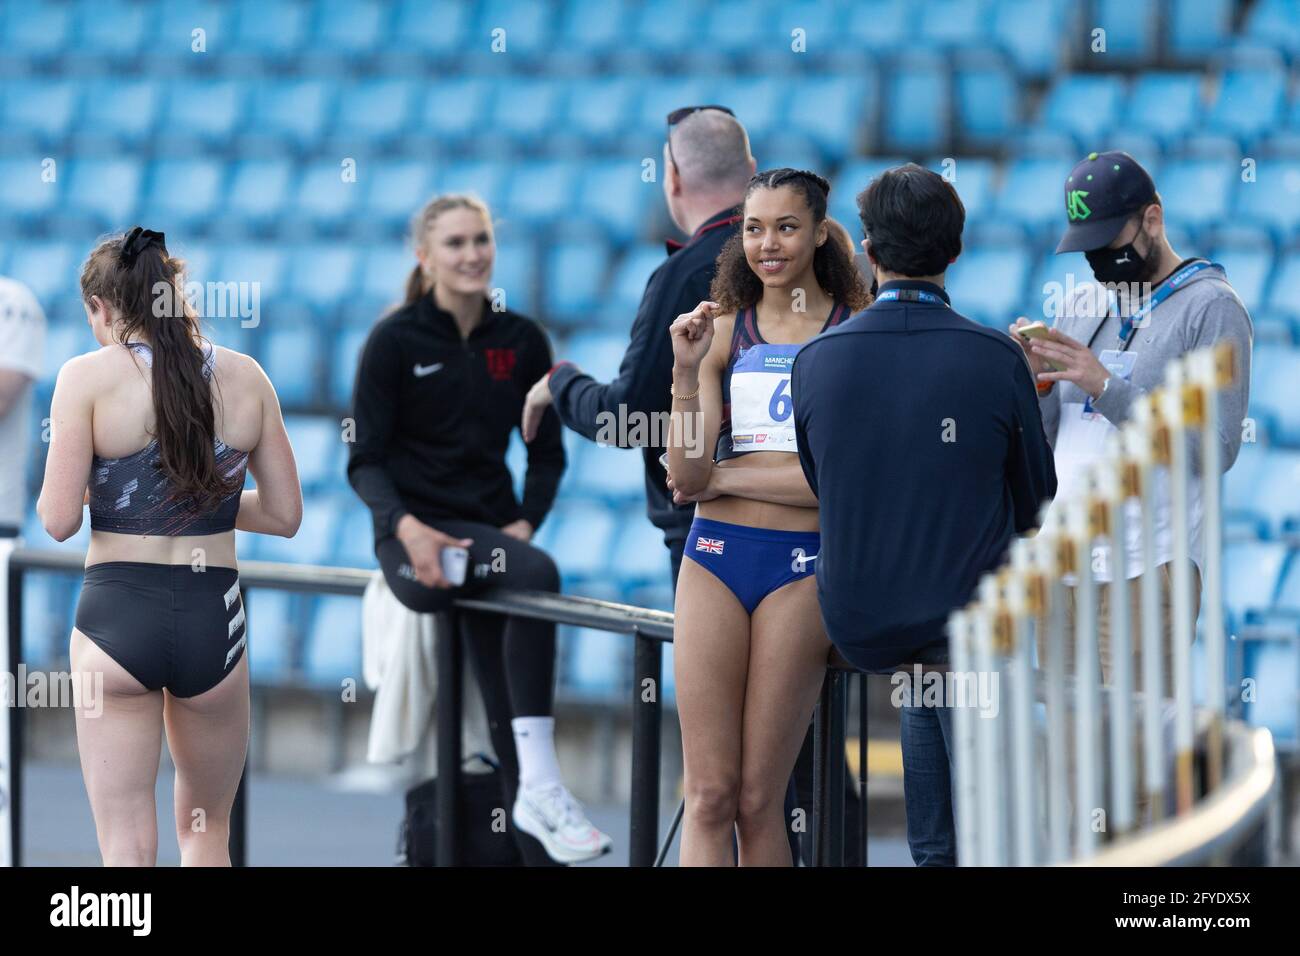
736	286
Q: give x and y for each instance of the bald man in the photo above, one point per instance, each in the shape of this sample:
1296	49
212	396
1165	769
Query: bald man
707	164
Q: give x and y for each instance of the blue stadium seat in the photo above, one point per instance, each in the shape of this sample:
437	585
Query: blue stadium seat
374	109
1275	392
878	25
385	269
1086	105
351	27
177	21
318	448
594	26
1276	22
615	475
639	554
455	107
542	190
1030	32
183	193
24	190
314	542
323	197
845	103
527	24
50	269
344	362
1284	297
529	109
1273	199
1131	29
273	28
1274	667
1288	592
290	354
259	189
296	109
987	100
123	108
739	26
987	284
1199	191
48	600
332	649
973	178
1053	285
515	273
272	634
356	542
665	26
596	353
485	178
1275	498
596	662
1249	102
62	342
42	107
946	23
1033	192
322	274
578	536
574	274
37	29
108	189
613	193
1164	105
600	107
820	23
917	105
1198	27
761	103
261	262
113	28
432	26
1240	501
1248	269
630	277
661	98
210	109
1251	571
397	189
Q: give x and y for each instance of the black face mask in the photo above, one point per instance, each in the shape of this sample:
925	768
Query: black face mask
1124	264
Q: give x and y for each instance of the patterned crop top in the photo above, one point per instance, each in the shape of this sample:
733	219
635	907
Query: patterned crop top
131	495
757	410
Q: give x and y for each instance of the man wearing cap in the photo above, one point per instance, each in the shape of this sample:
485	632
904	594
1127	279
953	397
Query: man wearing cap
1112	342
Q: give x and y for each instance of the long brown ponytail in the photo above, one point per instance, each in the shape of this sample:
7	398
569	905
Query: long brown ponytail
144	285
417	284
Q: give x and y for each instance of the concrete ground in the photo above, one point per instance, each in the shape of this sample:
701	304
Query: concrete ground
292	822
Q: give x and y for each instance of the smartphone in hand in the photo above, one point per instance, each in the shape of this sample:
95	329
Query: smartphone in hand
1037	330
454	563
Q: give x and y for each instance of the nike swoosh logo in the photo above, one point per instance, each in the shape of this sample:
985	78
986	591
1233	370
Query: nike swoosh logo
423	370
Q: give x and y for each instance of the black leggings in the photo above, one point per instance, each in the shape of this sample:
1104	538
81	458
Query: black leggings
513	658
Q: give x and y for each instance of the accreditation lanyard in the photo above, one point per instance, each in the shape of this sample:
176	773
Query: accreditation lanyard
1166	289
911	295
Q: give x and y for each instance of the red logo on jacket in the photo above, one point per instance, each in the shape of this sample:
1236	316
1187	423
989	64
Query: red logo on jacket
500	363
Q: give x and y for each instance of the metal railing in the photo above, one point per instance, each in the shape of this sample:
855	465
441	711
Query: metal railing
1002	783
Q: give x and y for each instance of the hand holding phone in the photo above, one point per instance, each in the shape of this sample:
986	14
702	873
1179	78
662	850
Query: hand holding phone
1035	330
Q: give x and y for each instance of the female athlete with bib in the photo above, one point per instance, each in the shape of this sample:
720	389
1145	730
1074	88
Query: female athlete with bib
749	647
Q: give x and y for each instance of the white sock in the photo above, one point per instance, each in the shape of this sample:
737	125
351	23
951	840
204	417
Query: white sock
535	746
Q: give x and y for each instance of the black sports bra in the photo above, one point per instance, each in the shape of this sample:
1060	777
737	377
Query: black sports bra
132	495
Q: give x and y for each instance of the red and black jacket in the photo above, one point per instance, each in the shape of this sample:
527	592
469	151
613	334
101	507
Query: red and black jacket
433	414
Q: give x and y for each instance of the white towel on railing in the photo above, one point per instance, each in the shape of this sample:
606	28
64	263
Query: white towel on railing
399	662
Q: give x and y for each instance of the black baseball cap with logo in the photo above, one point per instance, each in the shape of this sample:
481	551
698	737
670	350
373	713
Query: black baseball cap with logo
1101	193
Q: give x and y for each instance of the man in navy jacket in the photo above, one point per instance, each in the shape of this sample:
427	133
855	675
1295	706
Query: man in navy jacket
920	433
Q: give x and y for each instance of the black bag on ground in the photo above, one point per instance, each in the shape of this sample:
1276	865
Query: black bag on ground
479	800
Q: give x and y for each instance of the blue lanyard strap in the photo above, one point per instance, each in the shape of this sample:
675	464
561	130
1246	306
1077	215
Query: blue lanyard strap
1165	290
911	295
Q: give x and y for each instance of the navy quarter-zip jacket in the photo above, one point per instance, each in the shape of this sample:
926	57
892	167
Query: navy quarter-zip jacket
920	433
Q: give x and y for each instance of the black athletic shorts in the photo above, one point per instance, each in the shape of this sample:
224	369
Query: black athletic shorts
168	625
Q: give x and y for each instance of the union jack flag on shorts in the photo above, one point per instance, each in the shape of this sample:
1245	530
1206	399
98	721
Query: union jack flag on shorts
711	545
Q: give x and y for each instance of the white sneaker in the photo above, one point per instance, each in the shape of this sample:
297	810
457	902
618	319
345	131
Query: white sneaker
552	816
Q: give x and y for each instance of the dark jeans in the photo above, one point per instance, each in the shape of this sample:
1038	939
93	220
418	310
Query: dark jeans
927	784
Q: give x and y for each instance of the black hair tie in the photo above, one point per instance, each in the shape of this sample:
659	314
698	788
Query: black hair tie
137	241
